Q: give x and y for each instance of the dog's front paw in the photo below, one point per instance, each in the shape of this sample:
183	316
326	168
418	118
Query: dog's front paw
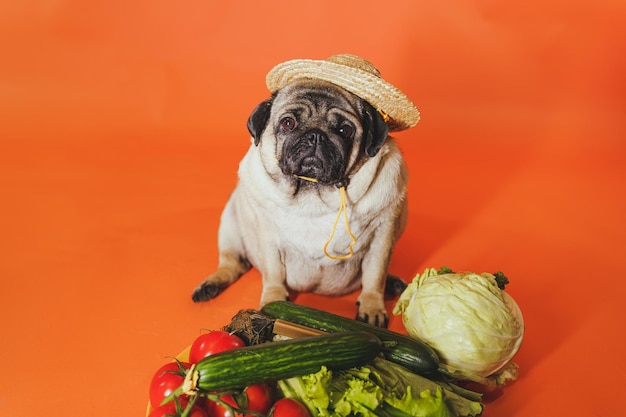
376	318
206	291
273	294
372	311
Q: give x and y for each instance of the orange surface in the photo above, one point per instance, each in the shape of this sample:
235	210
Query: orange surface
122	124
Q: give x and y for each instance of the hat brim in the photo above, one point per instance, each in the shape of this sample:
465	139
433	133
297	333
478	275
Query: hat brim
379	93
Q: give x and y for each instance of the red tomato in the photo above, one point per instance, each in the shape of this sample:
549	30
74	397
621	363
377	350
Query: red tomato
289	407
256	398
169	410
198	412
259	398
165	381
211	343
163	410
217	410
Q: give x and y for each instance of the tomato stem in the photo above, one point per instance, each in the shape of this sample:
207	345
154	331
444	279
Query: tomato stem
187	411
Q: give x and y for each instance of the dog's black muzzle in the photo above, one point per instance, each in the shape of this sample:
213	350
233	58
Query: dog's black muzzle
313	155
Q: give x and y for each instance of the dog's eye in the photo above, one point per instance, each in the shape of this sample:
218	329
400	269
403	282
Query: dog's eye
288	124
346	131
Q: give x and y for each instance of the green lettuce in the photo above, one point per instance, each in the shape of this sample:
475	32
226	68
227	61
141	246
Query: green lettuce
424	405
380	389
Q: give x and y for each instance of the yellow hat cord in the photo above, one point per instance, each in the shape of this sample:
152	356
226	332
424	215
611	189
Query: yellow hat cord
343	208
384	115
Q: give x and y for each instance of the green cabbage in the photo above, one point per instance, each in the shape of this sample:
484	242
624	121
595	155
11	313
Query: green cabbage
475	327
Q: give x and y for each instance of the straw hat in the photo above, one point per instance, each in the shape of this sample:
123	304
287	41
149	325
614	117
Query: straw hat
356	75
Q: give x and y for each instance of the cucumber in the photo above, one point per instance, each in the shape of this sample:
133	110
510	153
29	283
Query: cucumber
273	361
411	353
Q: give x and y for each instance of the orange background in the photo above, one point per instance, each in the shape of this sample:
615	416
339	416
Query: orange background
122	124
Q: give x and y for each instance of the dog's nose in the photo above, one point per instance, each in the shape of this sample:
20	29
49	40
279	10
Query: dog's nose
314	137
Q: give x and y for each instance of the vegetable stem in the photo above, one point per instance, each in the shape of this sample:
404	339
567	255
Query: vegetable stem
501	279
293	330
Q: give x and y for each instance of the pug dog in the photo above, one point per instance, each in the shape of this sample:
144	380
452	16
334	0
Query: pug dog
312	141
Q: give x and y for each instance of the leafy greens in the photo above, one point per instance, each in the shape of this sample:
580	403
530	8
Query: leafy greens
379	389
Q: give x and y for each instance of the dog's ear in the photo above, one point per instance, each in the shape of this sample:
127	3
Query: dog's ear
258	119
374	128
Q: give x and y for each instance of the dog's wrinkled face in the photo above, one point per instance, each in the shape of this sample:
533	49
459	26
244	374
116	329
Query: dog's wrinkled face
319	131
